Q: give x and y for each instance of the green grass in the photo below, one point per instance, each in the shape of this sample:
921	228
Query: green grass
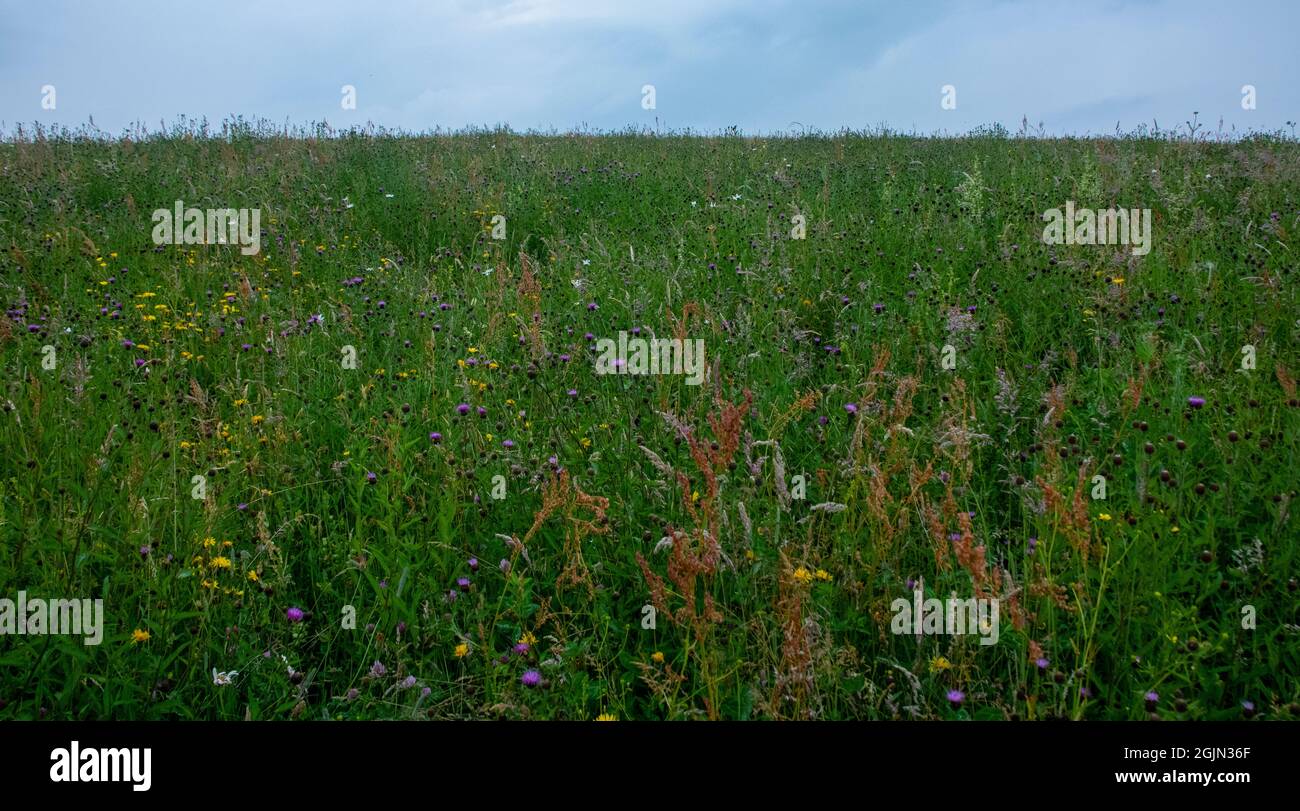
100	453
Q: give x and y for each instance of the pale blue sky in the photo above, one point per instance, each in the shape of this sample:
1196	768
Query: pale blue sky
761	65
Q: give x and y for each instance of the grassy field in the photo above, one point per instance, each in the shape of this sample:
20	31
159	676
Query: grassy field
349	552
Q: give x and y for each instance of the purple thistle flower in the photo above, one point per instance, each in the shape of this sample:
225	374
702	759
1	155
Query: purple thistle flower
504	566
521	648
531	678
473	564
463	583
371	478
377	669
462	409
408	682
294	614
435	437
1196	402
956	697
1042	663
852	408
507	444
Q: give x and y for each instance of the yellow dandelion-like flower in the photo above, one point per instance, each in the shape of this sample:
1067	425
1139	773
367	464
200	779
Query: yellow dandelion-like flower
939	663
605	716
462	650
209	542
657	657
252	576
258	419
220	563
803	575
823	575
528	638
139	635
1103	517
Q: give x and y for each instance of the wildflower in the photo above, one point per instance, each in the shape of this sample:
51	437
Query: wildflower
220	563
294	614
531	678
1041	662
823	575
139	635
657	657
528	638
435	437
605	716
956	697
461	651
939	663
802	575
463	583
521	648
851	408
504	566
1103	517
1196	402
1151	698
371	478
462	409
224	678
473	564
258	419
408	682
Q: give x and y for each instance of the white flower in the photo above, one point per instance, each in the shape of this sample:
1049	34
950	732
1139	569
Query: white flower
389	195
586	261
693	203
222	679
735	197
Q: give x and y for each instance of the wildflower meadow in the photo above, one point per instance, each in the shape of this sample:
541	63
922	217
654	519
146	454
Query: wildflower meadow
318	424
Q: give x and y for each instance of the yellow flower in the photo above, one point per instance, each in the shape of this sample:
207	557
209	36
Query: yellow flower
462	650
605	716
939	663
803	575
657	657
258	419
528	638
209	542
220	563
252	576
1118	280
823	575
138	636
1103	517
749	554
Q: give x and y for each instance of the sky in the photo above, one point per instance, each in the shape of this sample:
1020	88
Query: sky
762	66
